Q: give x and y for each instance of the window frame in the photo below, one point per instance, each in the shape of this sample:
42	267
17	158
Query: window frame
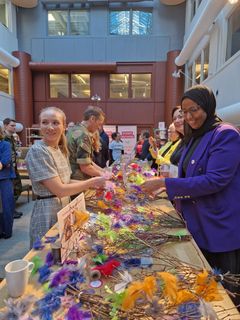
70	97
130	91
9	13
68	28
226	32
194	7
131	11
10	80
190	79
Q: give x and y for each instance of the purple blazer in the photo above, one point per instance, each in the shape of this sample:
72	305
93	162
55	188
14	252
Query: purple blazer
210	192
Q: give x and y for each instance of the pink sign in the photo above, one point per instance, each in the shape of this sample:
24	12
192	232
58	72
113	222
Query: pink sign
129	138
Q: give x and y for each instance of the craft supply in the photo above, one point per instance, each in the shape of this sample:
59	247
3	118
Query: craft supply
95	275
56	251
95	284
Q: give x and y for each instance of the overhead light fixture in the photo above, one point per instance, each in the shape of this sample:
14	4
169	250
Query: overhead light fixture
176	73
96	98
232	1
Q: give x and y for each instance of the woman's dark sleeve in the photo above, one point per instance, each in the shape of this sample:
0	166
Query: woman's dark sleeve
110	156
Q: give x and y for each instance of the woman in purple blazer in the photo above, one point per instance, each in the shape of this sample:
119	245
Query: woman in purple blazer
208	188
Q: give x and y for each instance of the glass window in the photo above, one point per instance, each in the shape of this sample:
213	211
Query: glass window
198	70
80	84
141	23
141	85
194	6
3	13
4	79
193	9
130	22
136	86
119	22
233	42
59	86
189	76
206	62
119	84
68	22
57	23
79	22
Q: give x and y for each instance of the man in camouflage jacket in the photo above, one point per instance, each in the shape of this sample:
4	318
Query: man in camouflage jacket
81	147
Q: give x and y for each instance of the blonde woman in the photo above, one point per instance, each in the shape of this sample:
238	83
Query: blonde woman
49	171
163	154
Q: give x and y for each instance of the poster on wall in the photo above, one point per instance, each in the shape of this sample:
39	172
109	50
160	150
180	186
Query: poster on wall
109	129
129	139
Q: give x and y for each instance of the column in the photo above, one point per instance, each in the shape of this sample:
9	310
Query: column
174	86
23	93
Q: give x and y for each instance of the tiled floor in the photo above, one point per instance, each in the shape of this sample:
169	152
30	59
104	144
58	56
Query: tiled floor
17	246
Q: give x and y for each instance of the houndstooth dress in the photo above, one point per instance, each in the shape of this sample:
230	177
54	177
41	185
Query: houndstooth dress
45	162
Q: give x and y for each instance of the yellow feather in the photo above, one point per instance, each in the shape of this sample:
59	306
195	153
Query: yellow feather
81	217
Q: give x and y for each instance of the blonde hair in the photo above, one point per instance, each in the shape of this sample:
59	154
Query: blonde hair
62	141
96	141
1	134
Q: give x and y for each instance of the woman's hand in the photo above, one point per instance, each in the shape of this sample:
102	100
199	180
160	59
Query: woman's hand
153	185
152	141
97	182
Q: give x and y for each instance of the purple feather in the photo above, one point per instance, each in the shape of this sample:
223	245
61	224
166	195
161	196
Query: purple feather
51	239
49	259
60	277
37	245
44	273
76	314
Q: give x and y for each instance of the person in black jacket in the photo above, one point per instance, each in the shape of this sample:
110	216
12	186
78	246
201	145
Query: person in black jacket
9	130
145	154
6	188
101	157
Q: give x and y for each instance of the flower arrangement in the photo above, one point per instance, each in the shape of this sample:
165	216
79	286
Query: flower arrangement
119	270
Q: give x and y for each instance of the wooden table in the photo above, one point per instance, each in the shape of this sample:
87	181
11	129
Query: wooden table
187	252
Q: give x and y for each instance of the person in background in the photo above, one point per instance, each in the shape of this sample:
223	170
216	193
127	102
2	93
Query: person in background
17	140
80	145
145	154
163	154
178	122
6	188
138	147
70	125
209	182
49	170
96	146
116	148
162	142
9	131
102	156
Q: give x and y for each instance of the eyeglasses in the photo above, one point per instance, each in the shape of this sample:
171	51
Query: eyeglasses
178	117
191	110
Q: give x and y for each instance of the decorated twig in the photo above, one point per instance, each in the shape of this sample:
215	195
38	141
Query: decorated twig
101	309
